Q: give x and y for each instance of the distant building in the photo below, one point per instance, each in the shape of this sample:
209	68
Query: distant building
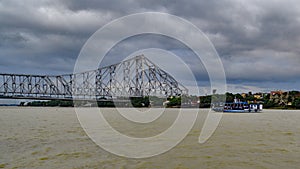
297	95
258	95
278	92
280	97
244	95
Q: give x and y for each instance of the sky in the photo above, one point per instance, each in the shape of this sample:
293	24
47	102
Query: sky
258	41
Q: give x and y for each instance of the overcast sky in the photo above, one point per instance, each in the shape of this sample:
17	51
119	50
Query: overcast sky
258	41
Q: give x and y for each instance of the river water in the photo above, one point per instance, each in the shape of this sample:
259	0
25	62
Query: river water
54	138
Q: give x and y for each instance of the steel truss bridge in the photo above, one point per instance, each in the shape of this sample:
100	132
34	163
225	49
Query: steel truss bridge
136	77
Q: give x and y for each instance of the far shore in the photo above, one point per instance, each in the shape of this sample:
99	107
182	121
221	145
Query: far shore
7	106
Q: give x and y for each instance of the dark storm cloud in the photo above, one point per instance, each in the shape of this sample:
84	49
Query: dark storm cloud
256	40
43	37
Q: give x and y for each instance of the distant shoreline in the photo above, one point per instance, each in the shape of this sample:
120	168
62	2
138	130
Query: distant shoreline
15	105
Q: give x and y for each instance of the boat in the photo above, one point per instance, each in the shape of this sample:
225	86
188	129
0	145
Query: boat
238	107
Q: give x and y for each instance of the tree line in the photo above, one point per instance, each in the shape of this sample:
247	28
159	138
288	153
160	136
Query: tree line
287	100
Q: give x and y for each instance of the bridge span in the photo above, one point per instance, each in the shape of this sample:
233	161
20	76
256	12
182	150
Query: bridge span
135	77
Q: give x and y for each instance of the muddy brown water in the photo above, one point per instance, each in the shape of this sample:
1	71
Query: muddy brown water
54	138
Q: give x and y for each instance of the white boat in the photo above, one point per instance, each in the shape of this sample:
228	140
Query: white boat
239	107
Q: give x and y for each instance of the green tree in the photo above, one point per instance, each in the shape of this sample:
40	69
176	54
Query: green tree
250	98
269	104
239	96
140	101
229	97
174	102
296	103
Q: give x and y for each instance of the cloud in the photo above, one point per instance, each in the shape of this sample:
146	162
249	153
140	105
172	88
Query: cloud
270	65
256	40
